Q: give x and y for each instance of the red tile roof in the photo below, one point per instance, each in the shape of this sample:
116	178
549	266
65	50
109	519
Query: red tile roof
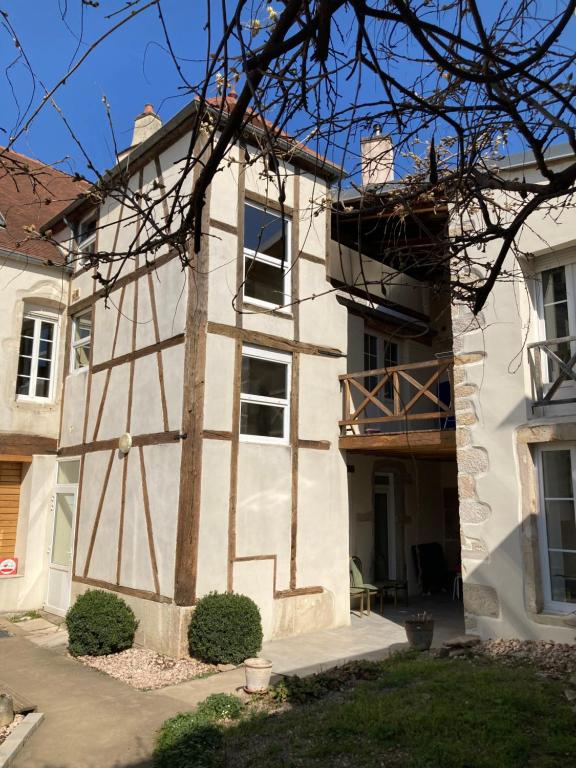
31	193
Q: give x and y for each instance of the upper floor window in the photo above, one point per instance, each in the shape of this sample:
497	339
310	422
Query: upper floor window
558	526
86	240
266	256
556	289
81	340
264	395
36	361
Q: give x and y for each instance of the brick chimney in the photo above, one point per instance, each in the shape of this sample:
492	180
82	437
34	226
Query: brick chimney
145	125
377	158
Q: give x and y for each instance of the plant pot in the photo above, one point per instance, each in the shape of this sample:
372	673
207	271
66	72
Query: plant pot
419	633
258	673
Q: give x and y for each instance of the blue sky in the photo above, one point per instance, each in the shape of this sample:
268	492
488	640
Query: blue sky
129	69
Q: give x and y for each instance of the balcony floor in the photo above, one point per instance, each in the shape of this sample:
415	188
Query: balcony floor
429	443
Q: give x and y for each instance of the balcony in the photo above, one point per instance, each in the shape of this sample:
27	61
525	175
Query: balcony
403	409
552	369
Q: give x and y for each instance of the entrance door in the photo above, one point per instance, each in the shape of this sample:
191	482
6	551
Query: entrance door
61	543
384	529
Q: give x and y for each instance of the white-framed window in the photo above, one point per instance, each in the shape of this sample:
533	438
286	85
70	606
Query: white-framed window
81	340
557	526
266	256
37	356
556	306
379	353
265	395
86	240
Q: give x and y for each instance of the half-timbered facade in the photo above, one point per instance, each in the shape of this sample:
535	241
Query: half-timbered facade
227	386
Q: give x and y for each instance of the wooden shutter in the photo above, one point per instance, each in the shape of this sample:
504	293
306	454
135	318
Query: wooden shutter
10	478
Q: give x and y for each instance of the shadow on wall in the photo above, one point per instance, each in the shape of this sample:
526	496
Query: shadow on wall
503	592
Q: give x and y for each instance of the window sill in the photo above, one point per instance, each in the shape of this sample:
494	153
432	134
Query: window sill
552	618
262	440
34	401
78	371
263	308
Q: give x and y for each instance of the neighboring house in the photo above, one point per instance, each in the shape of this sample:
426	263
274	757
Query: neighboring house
516	417
34	284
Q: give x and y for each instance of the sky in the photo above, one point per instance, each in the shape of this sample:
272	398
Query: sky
128	70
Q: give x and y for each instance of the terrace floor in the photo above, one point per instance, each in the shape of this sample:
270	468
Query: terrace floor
367	637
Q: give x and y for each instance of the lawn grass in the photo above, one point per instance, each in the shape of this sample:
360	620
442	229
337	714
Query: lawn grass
416	713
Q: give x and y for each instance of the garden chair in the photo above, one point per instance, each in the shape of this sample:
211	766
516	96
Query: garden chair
357	581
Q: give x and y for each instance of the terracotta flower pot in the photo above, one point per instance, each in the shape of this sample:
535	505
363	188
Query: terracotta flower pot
258	673
419	633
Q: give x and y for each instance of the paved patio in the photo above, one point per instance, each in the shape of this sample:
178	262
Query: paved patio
369	637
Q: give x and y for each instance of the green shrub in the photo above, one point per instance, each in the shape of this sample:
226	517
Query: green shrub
225	629
220	706
100	623
188	740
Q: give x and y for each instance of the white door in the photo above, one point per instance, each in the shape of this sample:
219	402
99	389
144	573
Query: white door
62	538
384	529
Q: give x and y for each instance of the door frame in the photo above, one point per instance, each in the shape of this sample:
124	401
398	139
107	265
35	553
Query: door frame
388	490
61	488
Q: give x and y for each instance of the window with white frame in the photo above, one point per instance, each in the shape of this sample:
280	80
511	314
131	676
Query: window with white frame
265	395
557	524
86	240
37	357
81	340
266	256
556	294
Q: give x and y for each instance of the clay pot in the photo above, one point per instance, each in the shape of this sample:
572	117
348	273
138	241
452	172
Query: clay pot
419	633
258	673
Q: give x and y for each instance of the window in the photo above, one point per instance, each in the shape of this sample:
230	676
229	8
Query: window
557	312
557	521
379	353
81	340
264	395
266	256
37	355
86	240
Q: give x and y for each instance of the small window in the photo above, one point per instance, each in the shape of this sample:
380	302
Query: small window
378	354
264	395
266	256
81	340
86	241
558	526
37	355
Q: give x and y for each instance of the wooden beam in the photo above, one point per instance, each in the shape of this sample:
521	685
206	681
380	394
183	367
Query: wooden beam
129	357
186	559
433	440
143	594
136	274
26	445
318	445
274	342
154	438
22	459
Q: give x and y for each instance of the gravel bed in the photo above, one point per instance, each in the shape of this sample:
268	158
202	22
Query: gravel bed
6	730
145	670
556	660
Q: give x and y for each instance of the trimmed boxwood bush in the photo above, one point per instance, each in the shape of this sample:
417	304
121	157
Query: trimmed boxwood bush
225	629
100	623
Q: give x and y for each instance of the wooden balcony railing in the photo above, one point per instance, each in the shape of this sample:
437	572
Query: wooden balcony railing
401	395
552	363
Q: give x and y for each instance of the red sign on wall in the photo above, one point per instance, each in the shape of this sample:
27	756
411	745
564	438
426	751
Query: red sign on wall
9	566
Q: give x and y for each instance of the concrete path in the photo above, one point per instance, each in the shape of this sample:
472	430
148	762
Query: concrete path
94	721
